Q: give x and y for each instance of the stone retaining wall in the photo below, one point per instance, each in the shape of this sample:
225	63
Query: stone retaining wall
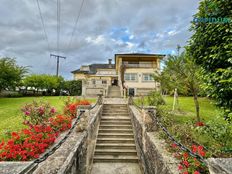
71	158
154	157
152	152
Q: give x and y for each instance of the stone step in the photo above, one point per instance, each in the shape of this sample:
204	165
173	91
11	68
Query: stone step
115	112
115	152
115	106
115	146
115	140
112	158
115	122
115	117
115	127
123	135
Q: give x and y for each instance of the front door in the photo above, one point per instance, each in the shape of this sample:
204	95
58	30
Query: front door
115	82
131	92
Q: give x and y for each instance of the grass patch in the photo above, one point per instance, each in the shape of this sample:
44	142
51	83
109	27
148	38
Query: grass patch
11	115
187	108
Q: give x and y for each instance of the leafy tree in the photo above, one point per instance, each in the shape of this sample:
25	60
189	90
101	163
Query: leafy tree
73	87
10	73
211	47
168	80
183	74
43	81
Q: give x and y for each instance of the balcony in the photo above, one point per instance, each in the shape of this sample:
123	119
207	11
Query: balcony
139	65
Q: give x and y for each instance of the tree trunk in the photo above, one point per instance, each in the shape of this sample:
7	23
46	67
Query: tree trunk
197	107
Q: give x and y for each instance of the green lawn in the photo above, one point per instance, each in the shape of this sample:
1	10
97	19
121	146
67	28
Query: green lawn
11	115
187	108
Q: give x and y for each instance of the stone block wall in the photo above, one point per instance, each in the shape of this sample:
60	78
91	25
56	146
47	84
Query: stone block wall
152	152
154	157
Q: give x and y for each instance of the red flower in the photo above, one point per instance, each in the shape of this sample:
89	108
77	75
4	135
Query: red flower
174	145
180	167
185	155
200	151
186	163
53	110
196	172
186	172
194	148
200	124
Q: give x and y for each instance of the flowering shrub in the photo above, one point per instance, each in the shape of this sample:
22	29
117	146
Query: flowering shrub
27	144
71	106
43	128
37	112
61	123
189	164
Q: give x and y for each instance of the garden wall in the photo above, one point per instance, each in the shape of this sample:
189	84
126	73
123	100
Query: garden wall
154	157
73	156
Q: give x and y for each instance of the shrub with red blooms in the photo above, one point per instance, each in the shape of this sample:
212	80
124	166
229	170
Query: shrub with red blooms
43	128
189	164
37	112
61	123
71	104
200	124
27	144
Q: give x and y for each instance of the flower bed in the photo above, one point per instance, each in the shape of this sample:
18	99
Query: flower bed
189	164
44	126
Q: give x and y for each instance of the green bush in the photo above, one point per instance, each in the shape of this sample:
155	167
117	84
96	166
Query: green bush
155	99
220	130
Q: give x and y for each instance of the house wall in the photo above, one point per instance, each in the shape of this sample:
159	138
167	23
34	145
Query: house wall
79	76
93	86
141	87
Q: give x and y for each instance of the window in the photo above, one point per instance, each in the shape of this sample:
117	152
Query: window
104	82
94	82
130	77
147	77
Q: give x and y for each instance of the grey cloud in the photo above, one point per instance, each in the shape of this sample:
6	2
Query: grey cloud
148	20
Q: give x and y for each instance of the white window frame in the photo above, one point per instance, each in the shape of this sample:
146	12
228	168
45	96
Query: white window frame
149	77
131	77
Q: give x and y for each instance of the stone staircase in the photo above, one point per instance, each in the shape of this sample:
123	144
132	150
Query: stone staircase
114	92
115	140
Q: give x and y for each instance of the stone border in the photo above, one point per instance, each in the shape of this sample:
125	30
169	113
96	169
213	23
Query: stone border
154	158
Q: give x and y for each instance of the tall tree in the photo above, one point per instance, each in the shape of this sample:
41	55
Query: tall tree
10	73
183	73
211	47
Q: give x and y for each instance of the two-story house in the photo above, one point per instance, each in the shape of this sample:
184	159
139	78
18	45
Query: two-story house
131	74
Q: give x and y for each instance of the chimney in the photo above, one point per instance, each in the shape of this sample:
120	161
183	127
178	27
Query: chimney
110	63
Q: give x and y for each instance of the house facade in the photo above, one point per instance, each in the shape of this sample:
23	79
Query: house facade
130	75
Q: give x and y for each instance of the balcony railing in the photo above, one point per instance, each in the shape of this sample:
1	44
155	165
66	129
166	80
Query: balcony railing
140	65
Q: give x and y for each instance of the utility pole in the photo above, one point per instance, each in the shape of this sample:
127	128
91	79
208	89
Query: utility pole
58	61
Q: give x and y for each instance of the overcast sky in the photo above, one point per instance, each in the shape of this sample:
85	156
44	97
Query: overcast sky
105	27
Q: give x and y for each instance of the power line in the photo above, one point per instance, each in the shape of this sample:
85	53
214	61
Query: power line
42	21
75	25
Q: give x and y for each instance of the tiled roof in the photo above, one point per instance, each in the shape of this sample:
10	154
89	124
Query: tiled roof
93	68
